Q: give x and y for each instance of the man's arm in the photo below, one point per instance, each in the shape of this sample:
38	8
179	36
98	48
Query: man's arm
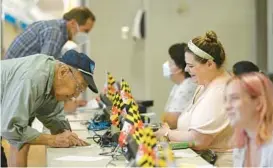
60	140
42	139
53	118
52	42
17	104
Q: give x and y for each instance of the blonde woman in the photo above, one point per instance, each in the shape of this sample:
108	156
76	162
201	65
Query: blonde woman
249	105
204	122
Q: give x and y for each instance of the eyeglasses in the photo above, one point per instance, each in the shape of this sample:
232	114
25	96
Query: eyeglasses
78	86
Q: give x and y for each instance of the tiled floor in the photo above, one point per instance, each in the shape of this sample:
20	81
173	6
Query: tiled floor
36	156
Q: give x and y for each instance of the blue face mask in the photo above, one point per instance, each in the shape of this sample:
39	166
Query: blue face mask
166	70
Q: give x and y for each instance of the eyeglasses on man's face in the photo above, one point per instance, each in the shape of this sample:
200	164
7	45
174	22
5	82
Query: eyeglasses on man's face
79	88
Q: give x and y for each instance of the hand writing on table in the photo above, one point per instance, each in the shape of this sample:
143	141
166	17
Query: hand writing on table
76	141
66	139
162	131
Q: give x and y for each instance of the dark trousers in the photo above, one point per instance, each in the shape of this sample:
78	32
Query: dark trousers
4	162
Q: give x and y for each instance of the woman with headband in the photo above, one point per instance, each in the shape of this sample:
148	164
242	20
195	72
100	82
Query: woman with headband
249	106
204	122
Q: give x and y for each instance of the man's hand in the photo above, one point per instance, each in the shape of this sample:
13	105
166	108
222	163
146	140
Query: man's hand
76	141
66	139
71	106
81	103
60	140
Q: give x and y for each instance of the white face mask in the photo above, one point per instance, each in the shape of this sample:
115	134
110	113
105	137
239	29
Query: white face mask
80	37
166	70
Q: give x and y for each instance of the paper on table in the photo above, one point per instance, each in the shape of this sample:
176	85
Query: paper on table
81	158
184	154
76	117
77	126
92	104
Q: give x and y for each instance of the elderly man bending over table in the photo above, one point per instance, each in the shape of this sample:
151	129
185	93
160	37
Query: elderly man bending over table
36	86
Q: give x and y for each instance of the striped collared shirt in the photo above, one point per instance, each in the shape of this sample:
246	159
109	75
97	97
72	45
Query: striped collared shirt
42	37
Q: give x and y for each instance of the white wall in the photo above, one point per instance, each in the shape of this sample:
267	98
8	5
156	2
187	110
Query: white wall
270	35
232	20
9	34
123	58
141	63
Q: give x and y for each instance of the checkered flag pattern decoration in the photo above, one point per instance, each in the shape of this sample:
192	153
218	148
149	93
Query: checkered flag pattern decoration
125	91
138	134
146	155
117	109
110	87
133	116
132	124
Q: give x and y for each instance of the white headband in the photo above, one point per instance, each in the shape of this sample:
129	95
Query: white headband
198	51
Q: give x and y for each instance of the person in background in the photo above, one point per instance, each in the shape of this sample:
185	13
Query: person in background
242	67
39	91
49	36
204	124
72	105
183	89
249	106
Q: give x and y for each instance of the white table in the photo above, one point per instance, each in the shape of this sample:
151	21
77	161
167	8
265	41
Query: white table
56	156
81	116
53	154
